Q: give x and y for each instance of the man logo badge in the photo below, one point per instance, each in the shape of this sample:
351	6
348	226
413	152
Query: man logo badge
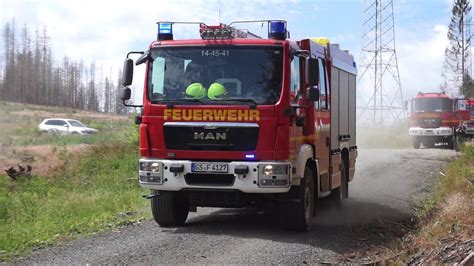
210	136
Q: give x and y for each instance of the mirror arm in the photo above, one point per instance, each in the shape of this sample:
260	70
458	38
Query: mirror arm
302	53
135	52
142	59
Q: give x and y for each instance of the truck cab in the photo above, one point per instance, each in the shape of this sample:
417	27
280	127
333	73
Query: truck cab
433	120
235	120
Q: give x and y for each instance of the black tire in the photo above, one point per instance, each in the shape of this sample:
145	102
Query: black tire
416	143
169	208
53	131
297	215
340	194
451	143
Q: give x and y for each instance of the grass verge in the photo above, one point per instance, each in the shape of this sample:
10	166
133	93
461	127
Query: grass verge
93	191
446	220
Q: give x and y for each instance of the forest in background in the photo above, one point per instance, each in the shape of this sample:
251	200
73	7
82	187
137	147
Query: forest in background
30	74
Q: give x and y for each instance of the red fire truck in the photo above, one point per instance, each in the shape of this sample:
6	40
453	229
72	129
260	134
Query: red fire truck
234	120
469	123
435	118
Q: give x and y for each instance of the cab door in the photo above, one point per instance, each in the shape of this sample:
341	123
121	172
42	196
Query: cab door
322	121
296	130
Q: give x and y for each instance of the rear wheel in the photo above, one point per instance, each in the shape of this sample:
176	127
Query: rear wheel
341	193
169	208
297	215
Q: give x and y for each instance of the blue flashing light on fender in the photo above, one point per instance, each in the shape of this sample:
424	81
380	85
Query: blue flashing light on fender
250	156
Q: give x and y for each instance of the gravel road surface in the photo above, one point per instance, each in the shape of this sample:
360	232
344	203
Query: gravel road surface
387	186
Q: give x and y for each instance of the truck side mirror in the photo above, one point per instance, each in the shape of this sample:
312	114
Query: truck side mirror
406	105
312	72
126	94
127	76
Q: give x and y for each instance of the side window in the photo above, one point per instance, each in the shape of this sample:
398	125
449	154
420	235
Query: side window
157	80
323	98
50	123
295	78
56	122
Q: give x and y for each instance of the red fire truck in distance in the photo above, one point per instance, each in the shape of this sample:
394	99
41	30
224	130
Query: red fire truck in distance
232	120
469	123
435	118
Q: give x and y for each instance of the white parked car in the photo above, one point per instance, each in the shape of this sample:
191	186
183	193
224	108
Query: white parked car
65	127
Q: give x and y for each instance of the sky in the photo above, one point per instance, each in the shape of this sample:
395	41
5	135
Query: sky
105	31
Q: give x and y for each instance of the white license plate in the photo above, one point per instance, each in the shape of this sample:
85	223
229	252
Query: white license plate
209	167
428	132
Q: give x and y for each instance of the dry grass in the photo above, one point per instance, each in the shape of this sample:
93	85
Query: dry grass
446	220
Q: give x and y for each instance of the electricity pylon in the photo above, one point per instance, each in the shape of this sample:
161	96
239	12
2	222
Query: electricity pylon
379	66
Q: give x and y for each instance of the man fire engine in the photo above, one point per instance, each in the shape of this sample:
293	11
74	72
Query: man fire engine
468	125
232	120
435	118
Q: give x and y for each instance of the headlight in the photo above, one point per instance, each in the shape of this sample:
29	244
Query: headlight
268	170
275	169
445	131
150	172
274	175
153	167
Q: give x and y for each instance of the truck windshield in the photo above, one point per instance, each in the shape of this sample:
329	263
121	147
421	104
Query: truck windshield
207	74
432	105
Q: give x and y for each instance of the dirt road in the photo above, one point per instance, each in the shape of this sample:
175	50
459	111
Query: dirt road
387	186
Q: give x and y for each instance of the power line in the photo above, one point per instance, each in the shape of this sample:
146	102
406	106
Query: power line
379	65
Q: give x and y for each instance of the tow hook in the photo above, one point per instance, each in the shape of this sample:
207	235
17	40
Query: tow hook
150	196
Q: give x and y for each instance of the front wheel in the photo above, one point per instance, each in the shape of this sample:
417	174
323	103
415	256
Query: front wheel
452	143
416	143
169	208
297	215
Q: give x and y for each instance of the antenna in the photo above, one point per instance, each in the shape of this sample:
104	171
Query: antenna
379	65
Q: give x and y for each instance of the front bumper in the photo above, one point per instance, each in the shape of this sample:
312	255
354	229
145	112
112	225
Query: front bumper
428	132
470	130
176	175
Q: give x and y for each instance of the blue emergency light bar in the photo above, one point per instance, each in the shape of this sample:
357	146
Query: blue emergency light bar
277	29
165	31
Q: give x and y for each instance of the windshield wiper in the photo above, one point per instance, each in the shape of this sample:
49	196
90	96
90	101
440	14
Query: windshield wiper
237	100
186	100
178	100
